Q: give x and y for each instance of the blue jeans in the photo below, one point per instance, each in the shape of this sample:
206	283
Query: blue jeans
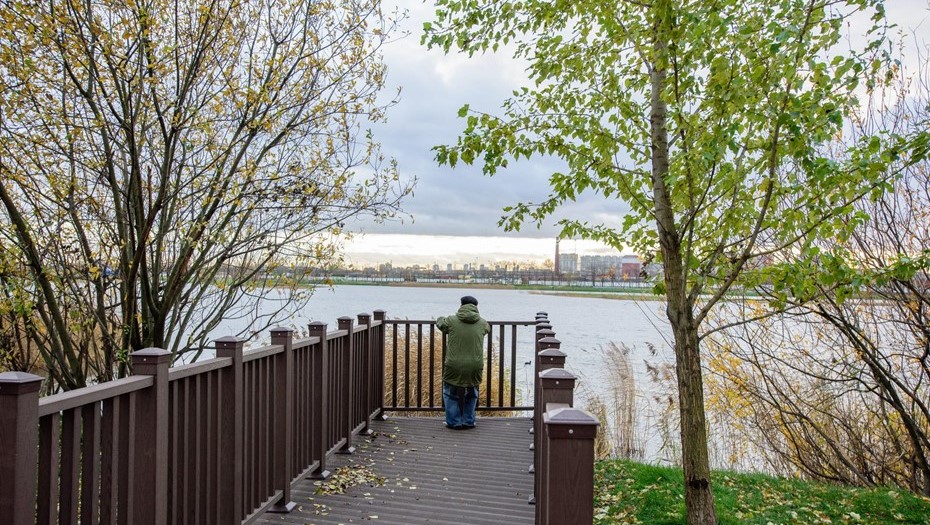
460	403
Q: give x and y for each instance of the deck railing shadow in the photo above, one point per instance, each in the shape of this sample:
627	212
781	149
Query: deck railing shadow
223	441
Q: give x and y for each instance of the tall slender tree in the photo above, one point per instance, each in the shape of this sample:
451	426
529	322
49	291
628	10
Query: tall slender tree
702	119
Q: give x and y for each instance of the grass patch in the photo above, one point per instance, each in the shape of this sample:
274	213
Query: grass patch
629	493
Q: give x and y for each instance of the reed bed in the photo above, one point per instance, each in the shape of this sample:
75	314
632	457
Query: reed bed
422	368
619	434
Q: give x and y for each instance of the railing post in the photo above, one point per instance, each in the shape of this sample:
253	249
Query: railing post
543	330
548	357
150	464
320	399
568	497
348	394
556	385
283	418
378	368
367	374
19	431
231	438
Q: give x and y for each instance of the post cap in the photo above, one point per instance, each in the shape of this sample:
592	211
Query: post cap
560	374
153	356
570	416
544	314
543	326
317	325
552	352
545	332
16	383
282	329
550	341
570	423
229	340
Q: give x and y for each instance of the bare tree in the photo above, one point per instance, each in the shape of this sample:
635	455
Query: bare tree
166	165
839	388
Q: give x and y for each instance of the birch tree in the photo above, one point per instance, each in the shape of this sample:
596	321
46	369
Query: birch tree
702	120
165	165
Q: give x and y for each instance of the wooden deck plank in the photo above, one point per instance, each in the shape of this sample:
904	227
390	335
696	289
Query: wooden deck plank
431	475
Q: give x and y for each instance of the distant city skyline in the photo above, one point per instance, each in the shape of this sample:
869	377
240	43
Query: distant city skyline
427	250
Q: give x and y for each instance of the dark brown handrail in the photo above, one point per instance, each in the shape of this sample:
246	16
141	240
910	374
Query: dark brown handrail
222	441
215	442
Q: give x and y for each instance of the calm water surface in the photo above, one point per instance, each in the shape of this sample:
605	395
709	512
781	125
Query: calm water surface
584	325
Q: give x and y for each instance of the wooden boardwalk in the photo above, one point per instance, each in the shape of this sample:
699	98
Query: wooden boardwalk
425	473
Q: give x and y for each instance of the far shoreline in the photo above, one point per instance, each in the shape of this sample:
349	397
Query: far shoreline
589	292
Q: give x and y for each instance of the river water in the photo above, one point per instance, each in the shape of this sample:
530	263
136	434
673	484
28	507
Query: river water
584	324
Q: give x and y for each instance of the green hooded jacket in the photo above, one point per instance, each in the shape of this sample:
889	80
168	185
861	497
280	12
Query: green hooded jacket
464	346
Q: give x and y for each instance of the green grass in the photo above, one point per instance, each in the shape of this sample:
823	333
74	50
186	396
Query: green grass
628	493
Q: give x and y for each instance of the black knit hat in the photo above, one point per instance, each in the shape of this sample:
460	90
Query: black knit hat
469	300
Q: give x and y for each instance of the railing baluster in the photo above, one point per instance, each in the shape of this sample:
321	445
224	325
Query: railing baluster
407	365
432	367
321	401
419	365
90	464
49	432
127	445
500	367
69	501
379	367
111	458
394	385
283	421
348	394
365	371
513	365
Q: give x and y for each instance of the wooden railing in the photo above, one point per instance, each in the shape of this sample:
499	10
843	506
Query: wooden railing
223	440
214	442
563	439
416	351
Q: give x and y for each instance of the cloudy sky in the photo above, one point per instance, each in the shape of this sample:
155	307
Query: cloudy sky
454	213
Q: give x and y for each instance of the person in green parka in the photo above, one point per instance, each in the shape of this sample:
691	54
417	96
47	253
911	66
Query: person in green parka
464	363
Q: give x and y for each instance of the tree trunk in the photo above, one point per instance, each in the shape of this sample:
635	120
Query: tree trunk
699	497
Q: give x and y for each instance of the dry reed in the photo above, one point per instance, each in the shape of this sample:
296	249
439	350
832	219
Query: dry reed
414	375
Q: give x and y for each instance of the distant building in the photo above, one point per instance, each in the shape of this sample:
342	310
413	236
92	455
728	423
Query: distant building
631	267
435	267
449	267
567	263
625	266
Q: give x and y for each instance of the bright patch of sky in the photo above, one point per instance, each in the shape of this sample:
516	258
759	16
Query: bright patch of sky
406	250
453	214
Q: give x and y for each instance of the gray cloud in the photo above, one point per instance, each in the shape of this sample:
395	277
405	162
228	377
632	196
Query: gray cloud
434	86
